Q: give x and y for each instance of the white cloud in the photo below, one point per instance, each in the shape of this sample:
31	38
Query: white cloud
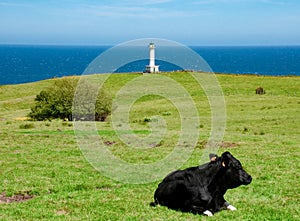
217	1
146	2
130	11
277	2
10	4
153	2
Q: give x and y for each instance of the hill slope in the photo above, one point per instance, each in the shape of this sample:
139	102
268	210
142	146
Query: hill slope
43	160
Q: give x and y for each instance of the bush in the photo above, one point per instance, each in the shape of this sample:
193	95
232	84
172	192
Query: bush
26	126
56	102
87	106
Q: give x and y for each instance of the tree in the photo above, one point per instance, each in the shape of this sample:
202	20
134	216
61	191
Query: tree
57	102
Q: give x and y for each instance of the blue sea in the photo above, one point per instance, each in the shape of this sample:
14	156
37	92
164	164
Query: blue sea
26	63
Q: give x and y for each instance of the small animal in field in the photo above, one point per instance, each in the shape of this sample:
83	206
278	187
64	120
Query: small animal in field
260	90
201	189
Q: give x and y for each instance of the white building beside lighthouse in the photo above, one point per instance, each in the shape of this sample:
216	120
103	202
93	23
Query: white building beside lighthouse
152	68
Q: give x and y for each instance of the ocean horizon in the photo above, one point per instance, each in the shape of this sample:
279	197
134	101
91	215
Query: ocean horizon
30	63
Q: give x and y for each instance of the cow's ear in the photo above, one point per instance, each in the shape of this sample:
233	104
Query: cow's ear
213	157
226	158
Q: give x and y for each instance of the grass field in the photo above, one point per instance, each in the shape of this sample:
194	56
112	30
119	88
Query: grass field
43	160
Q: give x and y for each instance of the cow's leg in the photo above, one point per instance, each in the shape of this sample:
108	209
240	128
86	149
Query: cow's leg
194	204
208	213
172	194
217	203
229	207
198	202
196	209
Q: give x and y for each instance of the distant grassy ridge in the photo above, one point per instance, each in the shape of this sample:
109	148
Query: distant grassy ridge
16	100
43	160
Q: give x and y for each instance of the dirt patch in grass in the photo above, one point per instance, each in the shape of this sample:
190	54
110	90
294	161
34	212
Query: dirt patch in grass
62	212
227	144
223	144
109	143
20	197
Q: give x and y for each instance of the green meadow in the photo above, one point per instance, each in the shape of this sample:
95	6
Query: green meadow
42	160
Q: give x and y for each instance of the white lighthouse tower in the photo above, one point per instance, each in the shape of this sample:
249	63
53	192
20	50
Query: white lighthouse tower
152	68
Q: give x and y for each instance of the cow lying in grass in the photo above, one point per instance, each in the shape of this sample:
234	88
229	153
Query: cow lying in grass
201	189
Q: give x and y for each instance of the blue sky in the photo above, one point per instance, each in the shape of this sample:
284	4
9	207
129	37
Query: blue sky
191	22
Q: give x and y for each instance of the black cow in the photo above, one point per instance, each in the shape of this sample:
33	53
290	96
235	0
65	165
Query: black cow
201	189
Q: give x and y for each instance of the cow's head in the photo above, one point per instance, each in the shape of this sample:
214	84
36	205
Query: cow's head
234	172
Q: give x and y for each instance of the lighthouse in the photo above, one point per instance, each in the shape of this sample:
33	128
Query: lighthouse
152	68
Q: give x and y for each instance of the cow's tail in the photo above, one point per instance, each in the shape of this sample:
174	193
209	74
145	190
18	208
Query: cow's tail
154	204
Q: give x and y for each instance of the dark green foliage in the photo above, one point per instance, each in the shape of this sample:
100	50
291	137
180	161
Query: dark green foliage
89	104
56	102
26	126
147	119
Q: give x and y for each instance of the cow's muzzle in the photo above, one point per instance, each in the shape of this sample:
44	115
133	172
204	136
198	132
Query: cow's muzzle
247	180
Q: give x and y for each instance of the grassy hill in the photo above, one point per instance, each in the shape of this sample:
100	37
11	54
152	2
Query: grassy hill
42	159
